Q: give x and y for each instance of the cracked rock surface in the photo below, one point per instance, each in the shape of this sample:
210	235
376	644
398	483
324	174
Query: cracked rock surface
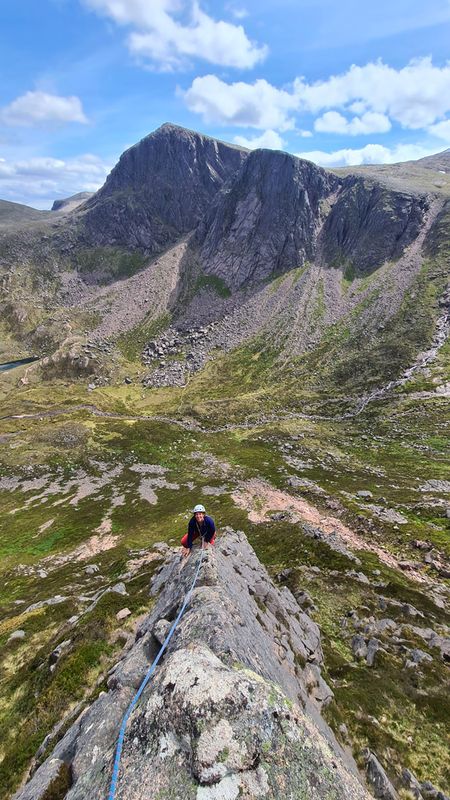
233	709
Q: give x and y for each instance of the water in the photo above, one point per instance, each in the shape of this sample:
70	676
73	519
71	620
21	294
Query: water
11	364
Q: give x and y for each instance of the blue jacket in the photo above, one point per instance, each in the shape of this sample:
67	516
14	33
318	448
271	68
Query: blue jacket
207	529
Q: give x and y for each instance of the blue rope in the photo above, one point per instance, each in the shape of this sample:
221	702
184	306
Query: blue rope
115	773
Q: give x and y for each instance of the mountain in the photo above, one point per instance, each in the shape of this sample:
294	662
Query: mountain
201	230
72	202
160	189
281	211
16	214
269	338
237	221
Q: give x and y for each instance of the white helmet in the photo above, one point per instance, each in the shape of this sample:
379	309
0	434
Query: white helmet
199	507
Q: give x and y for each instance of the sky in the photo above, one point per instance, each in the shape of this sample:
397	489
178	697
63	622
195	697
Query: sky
354	82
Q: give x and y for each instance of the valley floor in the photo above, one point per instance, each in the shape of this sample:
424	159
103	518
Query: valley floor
352	514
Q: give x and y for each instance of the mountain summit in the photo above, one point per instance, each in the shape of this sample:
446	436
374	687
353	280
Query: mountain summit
256	214
160	188
237	221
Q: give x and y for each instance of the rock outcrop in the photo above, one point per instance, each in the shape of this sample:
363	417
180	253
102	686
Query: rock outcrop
233	709
267	220
281	211
159	189
370	224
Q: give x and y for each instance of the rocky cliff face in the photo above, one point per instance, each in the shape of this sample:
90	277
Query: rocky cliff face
160	189
370	224
239	220
233	710
280	212
267	221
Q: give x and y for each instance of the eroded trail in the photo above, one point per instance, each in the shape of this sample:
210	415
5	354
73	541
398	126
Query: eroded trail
258	498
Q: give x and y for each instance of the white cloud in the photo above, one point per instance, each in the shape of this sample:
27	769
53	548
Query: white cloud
331	122
441	130
370	154
163	38
39	108
238	12
358	107
415	96
269	139
39	181
257	105
369	122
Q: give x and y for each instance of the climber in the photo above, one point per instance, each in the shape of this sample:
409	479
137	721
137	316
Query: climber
199	525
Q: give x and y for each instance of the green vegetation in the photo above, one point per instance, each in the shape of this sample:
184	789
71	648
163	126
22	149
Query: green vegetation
293	275
253	413
400	713
338	458
354	357
109	263
132	342
35	698
319	308
212	282
349	272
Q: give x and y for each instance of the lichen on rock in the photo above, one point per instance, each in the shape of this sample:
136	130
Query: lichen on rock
233	709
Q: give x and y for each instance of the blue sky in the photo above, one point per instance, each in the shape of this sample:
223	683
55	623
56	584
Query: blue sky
339	83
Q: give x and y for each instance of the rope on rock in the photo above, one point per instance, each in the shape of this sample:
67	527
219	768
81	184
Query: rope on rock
135	700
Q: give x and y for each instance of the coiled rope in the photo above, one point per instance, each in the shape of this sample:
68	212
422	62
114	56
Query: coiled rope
135	700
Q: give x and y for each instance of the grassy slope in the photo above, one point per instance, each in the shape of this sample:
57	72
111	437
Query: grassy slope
339	460
391	449
406	177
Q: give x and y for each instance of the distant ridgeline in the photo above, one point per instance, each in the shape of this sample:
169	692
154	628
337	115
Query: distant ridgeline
344	266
